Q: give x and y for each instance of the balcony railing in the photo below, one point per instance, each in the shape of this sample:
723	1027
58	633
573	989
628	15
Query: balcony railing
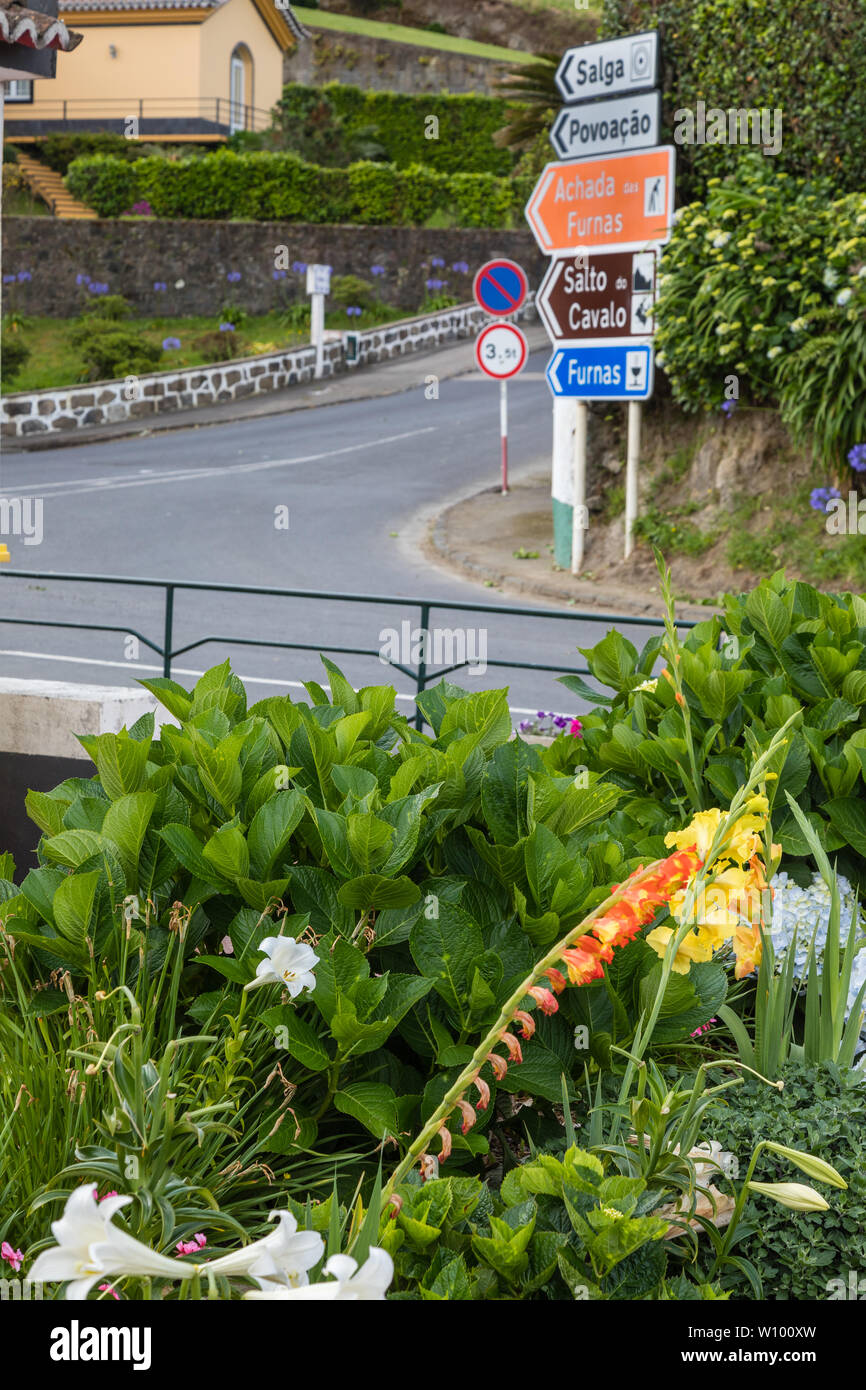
215	116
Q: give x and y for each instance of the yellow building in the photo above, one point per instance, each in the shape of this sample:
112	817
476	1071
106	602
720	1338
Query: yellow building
194	69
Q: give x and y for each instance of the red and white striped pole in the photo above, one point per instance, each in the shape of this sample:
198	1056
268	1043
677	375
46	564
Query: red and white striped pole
503	424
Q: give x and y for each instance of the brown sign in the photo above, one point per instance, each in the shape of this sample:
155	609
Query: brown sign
594	296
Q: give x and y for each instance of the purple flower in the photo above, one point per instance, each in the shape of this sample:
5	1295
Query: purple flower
160	286
299	267
354	312
524	726
539	714
227	328
728	408
24	276
280	274
98	287
461	267
560	721
8	279
819	497
436	284
377	270
437	263
170	344
233	277
857	458
142	209
82	279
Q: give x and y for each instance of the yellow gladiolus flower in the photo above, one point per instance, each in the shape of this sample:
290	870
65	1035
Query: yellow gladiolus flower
697	946
699	835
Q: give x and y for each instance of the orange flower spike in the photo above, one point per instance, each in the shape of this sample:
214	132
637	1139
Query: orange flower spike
556	978
544	999
680	699
499	1065
445	1136
583	965
514	1052
469	1116
483	1093
527	1024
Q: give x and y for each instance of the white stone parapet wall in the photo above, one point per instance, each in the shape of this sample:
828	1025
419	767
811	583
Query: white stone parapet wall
90	405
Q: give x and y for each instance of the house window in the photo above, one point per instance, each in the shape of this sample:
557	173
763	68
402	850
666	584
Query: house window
241	90
19	89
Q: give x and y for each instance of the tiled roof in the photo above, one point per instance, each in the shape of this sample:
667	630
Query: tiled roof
32	29
70	6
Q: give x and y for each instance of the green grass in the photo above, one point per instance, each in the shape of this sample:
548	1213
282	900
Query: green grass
401	33
20	202
561	6
54	362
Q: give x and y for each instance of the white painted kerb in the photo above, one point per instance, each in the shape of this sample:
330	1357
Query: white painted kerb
41	718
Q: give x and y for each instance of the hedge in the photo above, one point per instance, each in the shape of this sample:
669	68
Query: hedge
807	60
282	188
402	122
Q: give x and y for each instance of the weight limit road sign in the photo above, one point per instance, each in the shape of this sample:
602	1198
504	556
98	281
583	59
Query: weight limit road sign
604	294
602	371
500	287
604	69
501	351
615	200
626	123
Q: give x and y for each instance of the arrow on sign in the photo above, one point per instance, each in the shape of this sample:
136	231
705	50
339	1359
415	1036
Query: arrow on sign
626	123
604	69
615	201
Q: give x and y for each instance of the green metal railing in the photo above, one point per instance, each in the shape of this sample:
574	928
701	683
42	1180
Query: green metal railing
421	674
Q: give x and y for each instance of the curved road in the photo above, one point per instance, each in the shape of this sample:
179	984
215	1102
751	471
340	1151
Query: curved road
204	504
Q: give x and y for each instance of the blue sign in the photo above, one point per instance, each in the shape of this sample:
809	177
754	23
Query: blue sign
602	371
500	287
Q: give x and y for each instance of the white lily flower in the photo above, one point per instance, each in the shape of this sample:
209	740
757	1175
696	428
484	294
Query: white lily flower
288	963
349	1284
279	1261
89	1248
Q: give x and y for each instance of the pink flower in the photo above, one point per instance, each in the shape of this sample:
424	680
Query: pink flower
107	1195
13	1257
468	1114
228	948
544	999
191	1247
499	1065
445	1136
106	1288
483	1093
575	728
527	1023
514	1052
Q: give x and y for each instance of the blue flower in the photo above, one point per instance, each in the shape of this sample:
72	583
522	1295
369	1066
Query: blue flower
82	279
461	267
857	458
24	276
377	270
436	284
437	263
160	286
234	276
299	267
728	408
280	274
819	497
8	279
170	344
227	328
354	311
98	287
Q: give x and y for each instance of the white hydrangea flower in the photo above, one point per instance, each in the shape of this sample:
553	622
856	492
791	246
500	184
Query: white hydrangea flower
806	912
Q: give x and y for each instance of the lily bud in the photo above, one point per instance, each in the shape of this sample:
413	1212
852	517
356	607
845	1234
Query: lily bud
556	978
791	1194
527	1023
429	1165
816	1168
483	1093
514	1052
499	1065
469	1116
544	999
445	1136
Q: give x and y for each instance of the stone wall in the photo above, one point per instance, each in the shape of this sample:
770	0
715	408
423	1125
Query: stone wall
384	66
194	259
28	414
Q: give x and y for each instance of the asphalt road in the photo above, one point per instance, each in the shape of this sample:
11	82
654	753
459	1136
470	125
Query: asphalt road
204	505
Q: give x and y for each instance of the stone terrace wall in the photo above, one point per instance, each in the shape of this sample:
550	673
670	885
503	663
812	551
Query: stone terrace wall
384	66
29	414
131	256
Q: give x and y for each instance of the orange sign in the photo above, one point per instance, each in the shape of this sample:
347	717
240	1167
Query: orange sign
615	201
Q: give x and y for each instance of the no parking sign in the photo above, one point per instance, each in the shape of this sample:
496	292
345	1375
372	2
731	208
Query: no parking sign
500	287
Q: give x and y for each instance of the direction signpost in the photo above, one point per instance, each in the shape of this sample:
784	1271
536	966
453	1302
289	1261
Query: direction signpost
501	349
602	212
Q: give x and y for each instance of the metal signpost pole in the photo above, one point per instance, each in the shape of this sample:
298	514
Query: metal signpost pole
503	421
631	473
